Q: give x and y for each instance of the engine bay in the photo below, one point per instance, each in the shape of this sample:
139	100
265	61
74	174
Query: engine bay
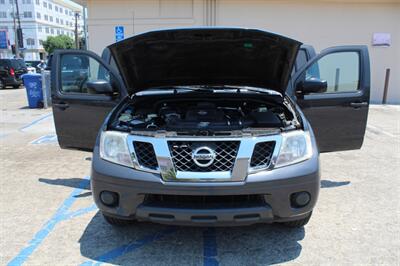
204	117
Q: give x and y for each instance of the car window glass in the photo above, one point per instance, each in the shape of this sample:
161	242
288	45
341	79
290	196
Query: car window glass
341	70
77	70
301	59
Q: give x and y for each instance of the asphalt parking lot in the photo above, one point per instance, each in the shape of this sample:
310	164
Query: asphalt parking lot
48	216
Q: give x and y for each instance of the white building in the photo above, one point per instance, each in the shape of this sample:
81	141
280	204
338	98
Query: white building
39	19
321	23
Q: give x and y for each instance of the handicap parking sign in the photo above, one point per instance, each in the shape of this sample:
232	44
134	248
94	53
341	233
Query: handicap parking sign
119	33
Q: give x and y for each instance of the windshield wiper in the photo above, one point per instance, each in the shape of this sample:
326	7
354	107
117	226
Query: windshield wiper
240	89
192	88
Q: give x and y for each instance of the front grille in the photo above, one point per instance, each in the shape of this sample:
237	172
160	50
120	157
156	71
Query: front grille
145	154
262	154
181	152
203	202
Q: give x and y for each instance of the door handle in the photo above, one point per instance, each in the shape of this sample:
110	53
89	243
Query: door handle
358	105
61	106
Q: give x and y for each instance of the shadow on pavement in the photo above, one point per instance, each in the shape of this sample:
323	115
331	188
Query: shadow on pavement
330	184
153	244
67	182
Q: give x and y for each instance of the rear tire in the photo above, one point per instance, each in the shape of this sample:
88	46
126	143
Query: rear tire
298	223
117	222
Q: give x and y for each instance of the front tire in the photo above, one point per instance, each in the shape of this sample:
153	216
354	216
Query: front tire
298	223
117	222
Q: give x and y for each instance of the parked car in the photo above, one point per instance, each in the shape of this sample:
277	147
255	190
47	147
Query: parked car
210	126
11	71
39	65
30	68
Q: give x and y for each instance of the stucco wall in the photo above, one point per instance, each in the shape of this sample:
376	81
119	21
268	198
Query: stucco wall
320	23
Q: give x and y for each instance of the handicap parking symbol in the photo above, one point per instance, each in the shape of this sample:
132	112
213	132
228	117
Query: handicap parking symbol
119	33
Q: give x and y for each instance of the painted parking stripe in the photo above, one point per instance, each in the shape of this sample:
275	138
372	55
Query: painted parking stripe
378	131
79	212
50	138
210	247
132	246
35	121
48	227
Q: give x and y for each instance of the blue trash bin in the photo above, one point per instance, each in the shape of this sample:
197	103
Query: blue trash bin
33	86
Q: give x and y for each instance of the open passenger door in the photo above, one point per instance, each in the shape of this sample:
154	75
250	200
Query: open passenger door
84	90
338	108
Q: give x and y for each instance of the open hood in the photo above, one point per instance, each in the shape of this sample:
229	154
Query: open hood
206	56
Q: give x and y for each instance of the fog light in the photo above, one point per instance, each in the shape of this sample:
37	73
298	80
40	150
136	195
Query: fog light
300	199
109	198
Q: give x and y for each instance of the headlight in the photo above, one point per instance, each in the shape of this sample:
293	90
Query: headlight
296	147
114	148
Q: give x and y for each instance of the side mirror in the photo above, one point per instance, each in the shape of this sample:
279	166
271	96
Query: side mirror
99	87
312	85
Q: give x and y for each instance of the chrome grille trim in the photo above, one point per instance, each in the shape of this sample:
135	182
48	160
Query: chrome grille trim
239	172
262	154
145	154
226	151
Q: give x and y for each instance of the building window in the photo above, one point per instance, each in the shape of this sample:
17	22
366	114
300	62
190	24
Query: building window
44	4
26	2
30	41
40	28
38	16
61	21
57	20
62	32
61	9
47	30
50	6
11	2
56	8
58	32
52	31
41	42
3	14
38	2
51	18
4	28
2	1
27	14
70	13
46	17
66	12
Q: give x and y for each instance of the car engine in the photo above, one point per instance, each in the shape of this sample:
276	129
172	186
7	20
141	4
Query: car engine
202	117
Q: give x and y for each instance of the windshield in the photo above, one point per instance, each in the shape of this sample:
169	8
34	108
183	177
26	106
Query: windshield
208	89
17	64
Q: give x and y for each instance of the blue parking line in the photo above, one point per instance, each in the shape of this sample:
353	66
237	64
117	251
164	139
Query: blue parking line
50	138
132	246
35	121
210	247
46	229
79	212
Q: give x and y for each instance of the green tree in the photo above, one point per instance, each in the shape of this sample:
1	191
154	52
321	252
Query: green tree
58	42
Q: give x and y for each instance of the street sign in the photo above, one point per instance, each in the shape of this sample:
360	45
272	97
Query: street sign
3	40
119	33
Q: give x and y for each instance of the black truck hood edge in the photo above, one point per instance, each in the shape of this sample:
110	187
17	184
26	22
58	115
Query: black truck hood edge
206	56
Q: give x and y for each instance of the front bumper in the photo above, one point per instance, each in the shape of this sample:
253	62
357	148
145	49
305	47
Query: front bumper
276	186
